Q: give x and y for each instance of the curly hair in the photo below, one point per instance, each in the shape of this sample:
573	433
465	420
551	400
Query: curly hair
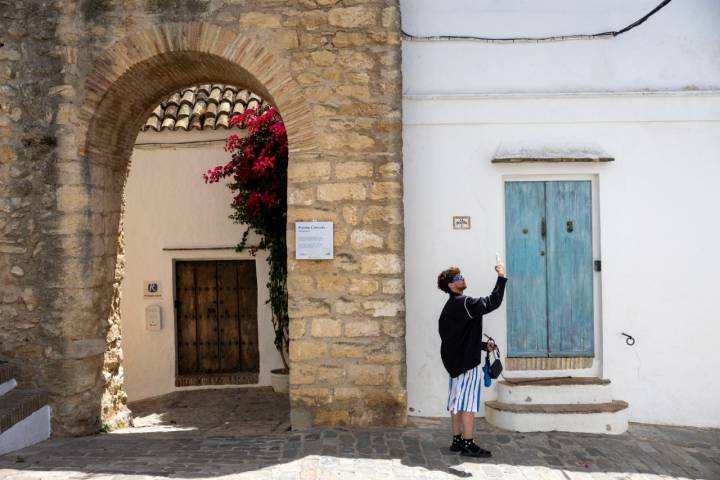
446	277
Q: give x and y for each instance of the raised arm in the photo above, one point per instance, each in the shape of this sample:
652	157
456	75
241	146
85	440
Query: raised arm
482	305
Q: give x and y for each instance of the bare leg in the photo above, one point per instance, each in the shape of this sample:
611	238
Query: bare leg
456	423
468	419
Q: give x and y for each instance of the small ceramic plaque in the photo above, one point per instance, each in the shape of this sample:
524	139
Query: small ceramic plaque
151	288
461	223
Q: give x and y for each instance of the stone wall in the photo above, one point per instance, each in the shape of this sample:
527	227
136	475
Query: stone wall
78	78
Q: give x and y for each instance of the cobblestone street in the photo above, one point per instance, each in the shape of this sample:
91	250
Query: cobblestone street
184	435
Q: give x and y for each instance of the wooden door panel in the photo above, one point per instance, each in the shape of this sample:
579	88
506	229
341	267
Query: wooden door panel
247	300
527	291
570	267
228	317
207	316
217	327
186	321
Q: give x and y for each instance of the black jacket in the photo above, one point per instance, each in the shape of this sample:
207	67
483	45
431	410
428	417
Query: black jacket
461	335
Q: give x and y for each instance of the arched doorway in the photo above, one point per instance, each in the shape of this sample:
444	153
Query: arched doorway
347	324
127	84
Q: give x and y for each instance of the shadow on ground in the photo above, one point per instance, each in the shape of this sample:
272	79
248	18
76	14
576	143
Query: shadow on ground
188	436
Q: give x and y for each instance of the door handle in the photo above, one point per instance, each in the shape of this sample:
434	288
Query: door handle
543	228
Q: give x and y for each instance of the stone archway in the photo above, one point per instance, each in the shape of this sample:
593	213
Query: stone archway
347	315
144	68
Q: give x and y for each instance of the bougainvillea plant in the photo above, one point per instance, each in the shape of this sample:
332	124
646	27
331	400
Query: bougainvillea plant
258	170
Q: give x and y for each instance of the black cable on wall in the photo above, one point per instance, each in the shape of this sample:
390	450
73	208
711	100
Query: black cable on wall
554	38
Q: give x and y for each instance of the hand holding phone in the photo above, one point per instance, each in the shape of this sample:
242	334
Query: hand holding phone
499	265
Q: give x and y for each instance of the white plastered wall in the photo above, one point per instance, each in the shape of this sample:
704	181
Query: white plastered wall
658	227
168	206
651	98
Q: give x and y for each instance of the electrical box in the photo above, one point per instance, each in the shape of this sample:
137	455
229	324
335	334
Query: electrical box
153	318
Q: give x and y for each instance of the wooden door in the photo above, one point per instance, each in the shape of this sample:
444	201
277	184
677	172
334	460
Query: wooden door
527	294
569	269
216	304
549	254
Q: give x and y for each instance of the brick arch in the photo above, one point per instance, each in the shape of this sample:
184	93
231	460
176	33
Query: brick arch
161	59
128	81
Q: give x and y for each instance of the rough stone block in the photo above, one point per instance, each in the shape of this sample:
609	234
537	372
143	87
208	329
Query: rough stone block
381	264
377	214
326	327
362	239
310	396
301	196
341	349
334	192
313	20
393	286
362	328
331	282
302	374
383	309
260	20
394	327
344	307
359	286
327	375
353	170
296	328
347	393
332	417
300	309
308	171
366	374
383	190
353	17
306	214
301	350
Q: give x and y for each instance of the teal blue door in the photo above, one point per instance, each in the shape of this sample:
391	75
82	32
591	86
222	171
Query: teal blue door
548	231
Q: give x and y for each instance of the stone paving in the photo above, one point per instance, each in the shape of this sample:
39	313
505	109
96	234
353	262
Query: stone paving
178	438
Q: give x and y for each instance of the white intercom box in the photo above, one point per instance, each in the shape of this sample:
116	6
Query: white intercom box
153	317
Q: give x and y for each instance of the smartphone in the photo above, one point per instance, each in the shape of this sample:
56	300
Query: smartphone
498	259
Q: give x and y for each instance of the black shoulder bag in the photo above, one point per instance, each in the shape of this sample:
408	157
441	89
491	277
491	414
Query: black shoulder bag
496	367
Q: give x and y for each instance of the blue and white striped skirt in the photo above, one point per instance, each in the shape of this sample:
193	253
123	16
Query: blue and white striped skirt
464	391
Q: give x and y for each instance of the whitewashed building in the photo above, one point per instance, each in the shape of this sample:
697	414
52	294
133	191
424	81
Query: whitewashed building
591	164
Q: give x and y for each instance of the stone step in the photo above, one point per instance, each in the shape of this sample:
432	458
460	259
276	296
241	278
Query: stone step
554	390
608	418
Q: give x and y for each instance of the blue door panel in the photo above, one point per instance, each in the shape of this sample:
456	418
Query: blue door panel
548	233
569	268
526	305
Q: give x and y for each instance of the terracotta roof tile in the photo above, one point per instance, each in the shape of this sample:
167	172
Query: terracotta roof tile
207	106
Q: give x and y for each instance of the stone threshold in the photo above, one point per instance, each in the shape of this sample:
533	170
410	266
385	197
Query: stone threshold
565	408
17	405
210	379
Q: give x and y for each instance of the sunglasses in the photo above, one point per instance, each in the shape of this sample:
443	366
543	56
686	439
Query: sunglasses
457	278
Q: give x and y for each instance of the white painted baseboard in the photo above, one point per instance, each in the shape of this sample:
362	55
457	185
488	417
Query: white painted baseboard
29	431
7	386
